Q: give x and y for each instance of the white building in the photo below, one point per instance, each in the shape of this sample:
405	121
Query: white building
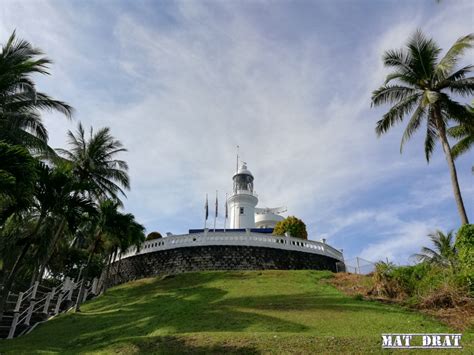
243	201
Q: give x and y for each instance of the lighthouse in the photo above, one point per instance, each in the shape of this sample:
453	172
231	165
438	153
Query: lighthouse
243	200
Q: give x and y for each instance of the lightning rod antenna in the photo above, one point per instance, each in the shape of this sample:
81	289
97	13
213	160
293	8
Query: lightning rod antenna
237	164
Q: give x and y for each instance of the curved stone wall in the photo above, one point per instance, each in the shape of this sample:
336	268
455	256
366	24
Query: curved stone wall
202	258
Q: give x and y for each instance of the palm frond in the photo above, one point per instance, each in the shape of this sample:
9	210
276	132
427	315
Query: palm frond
449	61
396	114
391	94
413	125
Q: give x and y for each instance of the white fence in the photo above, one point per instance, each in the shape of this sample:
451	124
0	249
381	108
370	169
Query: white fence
48	304
252	239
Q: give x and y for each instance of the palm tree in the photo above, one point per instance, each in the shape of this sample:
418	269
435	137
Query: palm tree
421	87
20	102
444	252
109	230
54	200
94	162
57	191
464	134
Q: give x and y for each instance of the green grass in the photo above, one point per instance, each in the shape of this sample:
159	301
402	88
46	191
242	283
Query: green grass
220	312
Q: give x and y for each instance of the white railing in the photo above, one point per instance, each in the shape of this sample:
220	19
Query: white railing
26	304
233	238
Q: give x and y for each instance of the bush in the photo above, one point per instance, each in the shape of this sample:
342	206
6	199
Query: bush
408	278
465	246
292	225
153	235
465	249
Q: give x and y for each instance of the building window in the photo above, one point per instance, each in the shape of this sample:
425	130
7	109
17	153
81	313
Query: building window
241	210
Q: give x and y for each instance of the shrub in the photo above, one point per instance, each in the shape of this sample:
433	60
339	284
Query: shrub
292	225
465	250
384	283
465	246
153	235
408	278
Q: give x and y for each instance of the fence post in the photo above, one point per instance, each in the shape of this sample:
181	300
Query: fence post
16	314
48	301
94	286
79	292
358	266
86	293
58	303
71	289
32	303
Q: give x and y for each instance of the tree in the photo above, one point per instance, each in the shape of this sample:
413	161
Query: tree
93	160
20	102
54	200
57	193
292	225
422	84
111	230
444	252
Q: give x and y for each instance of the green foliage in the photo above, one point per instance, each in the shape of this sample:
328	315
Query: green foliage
465	246
153	235
17	178
292	225
63	215
94	162
464	135
20	102
465	249
444	252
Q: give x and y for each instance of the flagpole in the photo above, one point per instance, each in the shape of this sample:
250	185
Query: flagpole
225	218
206	212
215	214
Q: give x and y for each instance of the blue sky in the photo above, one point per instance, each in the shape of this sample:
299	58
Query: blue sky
182	83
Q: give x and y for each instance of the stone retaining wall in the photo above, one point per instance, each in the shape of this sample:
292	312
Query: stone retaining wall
201	258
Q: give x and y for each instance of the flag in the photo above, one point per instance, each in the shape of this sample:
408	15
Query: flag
216	203
206	208
226	210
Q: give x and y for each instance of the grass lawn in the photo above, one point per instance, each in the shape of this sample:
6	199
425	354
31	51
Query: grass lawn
238	312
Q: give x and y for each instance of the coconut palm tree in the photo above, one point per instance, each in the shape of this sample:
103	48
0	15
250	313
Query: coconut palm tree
444	252
110	230
54	202
20	102
420	86
94	162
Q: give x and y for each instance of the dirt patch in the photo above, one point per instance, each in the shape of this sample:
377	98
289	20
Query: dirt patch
457	314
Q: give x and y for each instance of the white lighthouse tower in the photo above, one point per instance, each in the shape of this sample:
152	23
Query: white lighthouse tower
243	200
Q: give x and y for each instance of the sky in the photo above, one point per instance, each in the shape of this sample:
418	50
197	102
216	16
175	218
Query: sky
182	83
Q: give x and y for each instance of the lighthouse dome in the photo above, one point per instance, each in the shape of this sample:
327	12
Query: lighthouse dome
243	170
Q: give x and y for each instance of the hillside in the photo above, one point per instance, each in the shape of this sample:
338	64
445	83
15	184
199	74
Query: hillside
215	312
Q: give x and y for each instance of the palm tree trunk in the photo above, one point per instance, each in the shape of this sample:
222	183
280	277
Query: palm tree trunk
452	169
85	273
49	251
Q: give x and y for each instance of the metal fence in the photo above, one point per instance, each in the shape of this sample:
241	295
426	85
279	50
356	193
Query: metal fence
359	265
